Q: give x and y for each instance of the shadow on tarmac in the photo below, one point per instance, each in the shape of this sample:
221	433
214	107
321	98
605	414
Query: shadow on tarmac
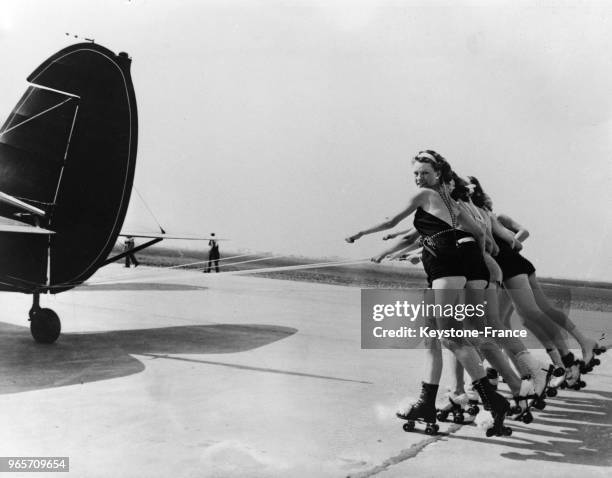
584	438
80	358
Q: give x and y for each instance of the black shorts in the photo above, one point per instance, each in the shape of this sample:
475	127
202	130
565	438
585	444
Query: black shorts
474	265
465	260
446	263
511	262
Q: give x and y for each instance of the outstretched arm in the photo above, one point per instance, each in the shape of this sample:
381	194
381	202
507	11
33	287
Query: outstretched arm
412	253
520	233
393	235
408	243
415	201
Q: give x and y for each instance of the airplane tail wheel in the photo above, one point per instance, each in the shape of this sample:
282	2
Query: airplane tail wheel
45	326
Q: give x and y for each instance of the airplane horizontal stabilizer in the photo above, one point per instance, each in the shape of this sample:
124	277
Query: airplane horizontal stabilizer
13	201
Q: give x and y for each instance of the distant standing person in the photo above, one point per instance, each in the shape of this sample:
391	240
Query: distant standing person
130	258
213	254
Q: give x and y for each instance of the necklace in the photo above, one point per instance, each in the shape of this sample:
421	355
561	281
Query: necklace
447	201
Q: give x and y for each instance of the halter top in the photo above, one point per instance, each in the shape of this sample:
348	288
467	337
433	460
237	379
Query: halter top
437	235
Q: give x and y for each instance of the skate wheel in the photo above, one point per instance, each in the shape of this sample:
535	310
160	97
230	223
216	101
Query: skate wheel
490	432
540	405
442	416
582	384
515	410
527	418
408	426
551	392
507	431
474	410
459	419
596	361
563	386
430	431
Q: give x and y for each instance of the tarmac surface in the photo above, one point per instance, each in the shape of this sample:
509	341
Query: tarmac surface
185	374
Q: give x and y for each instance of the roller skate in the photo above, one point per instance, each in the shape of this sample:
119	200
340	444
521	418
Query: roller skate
497	404
522	405
455	405
473	400
423	411
543	385
572	372
589	360
556	380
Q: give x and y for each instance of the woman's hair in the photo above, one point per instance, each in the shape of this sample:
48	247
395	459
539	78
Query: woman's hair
437	162
461	191
478	195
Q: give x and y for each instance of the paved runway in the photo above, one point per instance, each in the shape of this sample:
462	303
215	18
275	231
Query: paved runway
186	374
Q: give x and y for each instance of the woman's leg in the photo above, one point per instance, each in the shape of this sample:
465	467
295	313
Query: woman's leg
476	295
433	360
446	291
524	362
506	308
512	345
534	319
561	319
458	375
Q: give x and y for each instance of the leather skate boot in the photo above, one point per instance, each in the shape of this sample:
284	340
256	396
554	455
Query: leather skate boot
498	406
423	410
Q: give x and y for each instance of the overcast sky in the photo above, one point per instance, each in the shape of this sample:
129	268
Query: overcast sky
287	125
